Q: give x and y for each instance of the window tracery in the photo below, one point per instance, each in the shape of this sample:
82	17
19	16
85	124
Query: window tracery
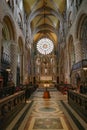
45	46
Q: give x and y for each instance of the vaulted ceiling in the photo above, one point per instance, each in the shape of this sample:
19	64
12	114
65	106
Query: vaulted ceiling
45	17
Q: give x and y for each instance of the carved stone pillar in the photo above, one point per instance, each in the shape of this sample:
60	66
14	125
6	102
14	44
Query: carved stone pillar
25	67
21	68
0	44
13	50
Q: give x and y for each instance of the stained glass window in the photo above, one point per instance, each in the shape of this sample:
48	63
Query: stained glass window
45	46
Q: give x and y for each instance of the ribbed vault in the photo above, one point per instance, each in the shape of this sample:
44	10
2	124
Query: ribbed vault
44	18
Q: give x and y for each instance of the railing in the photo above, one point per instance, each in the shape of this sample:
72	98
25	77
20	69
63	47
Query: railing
29	89
12	101
63	87
6	91
8	105
78	102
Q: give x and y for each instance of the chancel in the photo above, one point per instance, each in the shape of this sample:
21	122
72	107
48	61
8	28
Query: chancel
43	64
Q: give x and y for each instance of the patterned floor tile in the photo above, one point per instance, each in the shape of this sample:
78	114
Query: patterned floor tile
48	124
47	114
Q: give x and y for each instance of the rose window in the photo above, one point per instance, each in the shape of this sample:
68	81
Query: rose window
45	46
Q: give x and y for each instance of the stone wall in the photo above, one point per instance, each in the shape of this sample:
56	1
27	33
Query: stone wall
12	13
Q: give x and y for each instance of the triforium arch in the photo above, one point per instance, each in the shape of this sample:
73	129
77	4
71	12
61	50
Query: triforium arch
82	35
8	50
71	52
79	24
7	35
20	61
10	26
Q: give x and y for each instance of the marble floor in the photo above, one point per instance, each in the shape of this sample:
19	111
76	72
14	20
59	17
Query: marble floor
45	113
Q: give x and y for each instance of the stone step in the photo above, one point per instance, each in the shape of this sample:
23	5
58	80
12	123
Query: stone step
19	118
74	119
4	122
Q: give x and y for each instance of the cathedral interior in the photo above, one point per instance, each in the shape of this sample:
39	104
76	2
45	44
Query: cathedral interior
43	64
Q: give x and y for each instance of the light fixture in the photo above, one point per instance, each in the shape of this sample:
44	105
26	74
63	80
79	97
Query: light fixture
8	69
85	68
7	0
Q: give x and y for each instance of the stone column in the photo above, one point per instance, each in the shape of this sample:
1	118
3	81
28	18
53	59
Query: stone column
21	68
0	44
78	51
25	67
67	66
31	66
13	52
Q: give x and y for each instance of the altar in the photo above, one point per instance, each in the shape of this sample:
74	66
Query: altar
46	82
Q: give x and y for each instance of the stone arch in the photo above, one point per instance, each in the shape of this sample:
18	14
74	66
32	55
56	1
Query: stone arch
8	37
83	37
79	24
8	46
81	34
7	21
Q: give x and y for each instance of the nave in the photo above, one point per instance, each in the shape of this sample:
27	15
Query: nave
52	113
43	43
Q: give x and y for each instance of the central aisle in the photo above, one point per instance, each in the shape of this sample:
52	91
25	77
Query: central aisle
46	114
